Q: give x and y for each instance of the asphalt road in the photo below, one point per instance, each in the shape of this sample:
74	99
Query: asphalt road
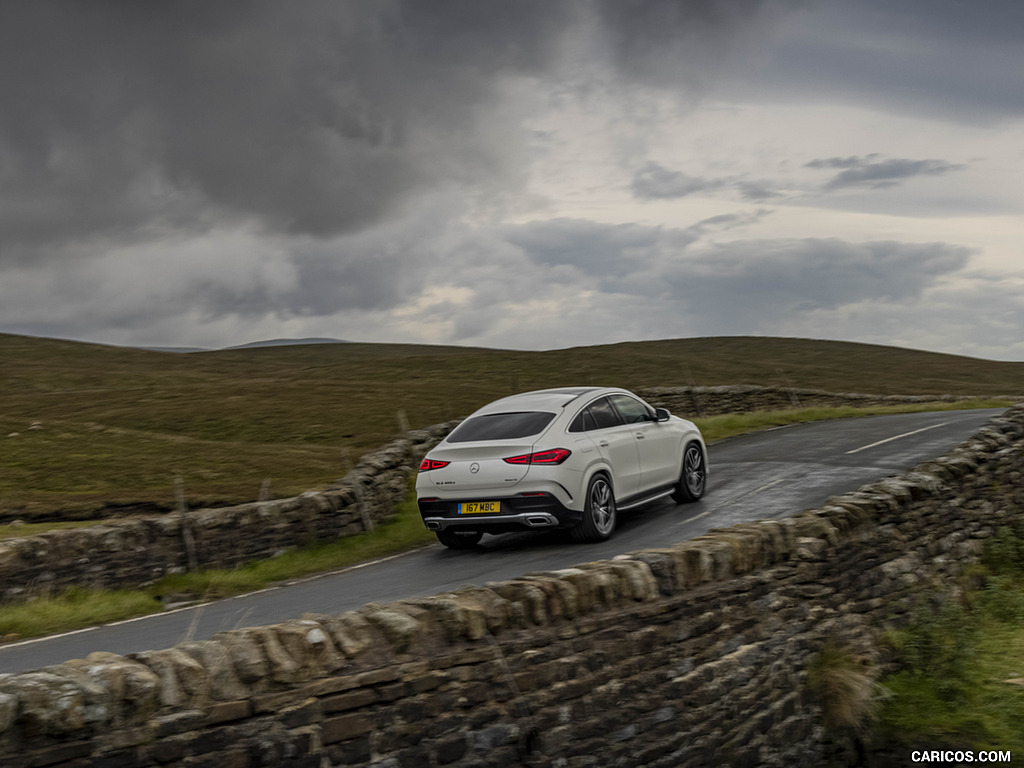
769	474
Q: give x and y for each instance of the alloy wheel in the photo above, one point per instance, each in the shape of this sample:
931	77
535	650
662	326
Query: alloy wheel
693	471
602	505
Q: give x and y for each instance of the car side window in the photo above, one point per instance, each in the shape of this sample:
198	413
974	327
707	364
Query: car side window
604	414
583	422
633	411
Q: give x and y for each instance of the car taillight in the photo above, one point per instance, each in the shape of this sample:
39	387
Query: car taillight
553	456
428	464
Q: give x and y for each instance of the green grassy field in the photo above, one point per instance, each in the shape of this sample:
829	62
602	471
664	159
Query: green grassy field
114	426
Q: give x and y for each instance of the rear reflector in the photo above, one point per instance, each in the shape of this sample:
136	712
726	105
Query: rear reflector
553	456
428	464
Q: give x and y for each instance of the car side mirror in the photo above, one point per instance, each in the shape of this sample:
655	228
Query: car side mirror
661	414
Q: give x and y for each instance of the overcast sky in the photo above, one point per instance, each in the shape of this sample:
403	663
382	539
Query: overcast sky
526	174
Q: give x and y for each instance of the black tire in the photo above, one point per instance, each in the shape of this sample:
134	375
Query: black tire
460	539
693	477
598	512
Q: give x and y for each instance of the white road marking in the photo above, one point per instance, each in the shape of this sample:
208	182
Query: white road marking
896	437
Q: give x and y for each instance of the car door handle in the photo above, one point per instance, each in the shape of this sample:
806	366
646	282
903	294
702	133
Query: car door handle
639	435
603	443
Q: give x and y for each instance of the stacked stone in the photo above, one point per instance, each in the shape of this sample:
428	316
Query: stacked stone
136	552
749	398
693	654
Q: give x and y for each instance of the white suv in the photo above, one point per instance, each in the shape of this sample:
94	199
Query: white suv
557	458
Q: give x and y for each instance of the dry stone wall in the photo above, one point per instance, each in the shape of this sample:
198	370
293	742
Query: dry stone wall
712	401
694	654
134	552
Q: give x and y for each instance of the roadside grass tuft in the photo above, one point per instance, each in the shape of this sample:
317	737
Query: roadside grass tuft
74	608
843	681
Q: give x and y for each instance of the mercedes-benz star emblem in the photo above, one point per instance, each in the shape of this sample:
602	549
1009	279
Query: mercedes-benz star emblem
474	468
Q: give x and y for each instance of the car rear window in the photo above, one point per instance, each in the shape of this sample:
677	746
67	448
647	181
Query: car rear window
501	426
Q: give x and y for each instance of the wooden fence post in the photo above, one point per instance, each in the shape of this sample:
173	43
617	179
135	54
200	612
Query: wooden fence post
186	529
364	513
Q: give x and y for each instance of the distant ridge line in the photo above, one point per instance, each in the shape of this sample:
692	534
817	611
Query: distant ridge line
288	342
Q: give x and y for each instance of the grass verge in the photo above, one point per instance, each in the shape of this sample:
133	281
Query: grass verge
81	608
716	428
74	608
77	607
19	530
962	679
403	533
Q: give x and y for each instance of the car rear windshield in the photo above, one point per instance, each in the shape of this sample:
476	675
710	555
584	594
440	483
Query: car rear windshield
501	426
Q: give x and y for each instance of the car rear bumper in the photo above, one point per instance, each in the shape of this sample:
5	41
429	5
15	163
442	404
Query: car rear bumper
517	513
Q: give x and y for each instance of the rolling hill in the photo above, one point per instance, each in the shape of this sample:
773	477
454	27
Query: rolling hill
89	428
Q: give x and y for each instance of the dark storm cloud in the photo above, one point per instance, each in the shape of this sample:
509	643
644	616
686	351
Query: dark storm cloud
614	250
956	59
327	277
600	250
316	118
614	254
251	159
878	174
775	277
774	286
680	44
738	284
996	21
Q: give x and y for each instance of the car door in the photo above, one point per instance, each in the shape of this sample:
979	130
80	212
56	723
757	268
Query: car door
657	444
617	444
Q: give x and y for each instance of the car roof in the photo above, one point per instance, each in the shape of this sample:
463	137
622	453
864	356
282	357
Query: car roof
542	399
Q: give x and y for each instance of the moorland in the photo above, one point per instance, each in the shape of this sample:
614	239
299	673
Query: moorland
89	430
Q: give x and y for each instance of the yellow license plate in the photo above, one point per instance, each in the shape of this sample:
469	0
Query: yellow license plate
479	507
